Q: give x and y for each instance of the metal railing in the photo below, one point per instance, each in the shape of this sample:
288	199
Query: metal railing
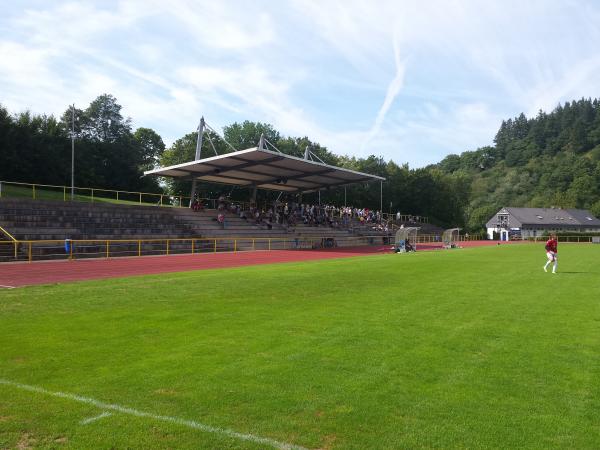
7	234
36	191
35	250
13	241
572	239
433	238
13	189
404	218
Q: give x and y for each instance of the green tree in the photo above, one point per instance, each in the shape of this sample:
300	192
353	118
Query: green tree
151	147
480	216
102	120
107	154
247	134
595	209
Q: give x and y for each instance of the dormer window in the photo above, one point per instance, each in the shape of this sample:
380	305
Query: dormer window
502	220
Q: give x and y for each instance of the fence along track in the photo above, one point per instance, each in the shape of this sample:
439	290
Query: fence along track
36	250
28	250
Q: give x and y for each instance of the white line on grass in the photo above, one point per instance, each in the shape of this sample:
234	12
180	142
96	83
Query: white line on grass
134	412
6	287
93	419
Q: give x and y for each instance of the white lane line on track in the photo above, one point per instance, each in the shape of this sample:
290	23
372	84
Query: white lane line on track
93	419
6	287
134	412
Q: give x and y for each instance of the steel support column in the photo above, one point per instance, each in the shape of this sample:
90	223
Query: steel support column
198	154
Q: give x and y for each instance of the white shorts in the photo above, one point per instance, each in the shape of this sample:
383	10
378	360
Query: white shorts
552	256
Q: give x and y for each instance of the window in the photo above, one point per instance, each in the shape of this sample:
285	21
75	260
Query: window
503	220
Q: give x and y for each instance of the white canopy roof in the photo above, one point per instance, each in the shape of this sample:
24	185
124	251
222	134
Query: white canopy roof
265	169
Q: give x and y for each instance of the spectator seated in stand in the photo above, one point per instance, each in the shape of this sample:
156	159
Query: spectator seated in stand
289	213
197	205
222	203
221	219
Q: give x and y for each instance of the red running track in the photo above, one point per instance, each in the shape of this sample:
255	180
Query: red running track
21	274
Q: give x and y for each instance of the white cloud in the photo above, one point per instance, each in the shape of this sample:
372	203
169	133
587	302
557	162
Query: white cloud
412	80
26	72
453	128
581	81
220	25
392	92
76	23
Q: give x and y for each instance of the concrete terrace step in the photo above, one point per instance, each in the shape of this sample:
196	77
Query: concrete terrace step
41	219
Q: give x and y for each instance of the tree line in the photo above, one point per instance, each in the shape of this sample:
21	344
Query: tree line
108	152
111	154
552	159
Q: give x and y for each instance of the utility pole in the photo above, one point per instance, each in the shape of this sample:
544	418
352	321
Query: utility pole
72	151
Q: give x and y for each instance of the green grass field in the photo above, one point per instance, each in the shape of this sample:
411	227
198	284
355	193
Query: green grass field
470	348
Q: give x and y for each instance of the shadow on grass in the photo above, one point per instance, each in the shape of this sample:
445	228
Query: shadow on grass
571	272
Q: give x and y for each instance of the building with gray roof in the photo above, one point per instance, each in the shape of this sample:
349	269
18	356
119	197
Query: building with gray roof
524	223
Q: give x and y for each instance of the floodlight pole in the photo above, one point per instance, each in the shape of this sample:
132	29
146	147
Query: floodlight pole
72	151
201	127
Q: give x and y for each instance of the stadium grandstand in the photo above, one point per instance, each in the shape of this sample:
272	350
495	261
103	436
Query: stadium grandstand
107	223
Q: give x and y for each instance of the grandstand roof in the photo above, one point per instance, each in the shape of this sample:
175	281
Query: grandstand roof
265	169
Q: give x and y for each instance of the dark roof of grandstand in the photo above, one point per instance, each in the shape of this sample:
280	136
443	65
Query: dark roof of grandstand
265	169
548	216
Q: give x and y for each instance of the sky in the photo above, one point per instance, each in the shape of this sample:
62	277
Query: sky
410	81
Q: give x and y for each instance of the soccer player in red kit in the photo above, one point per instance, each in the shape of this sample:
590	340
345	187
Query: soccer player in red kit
551	253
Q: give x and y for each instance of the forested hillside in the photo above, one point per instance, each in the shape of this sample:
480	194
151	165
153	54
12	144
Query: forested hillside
550	160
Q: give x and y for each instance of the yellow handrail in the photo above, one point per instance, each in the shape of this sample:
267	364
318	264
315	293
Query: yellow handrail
429	237
12	238
92	193
178	200
111	248
250	239
14	241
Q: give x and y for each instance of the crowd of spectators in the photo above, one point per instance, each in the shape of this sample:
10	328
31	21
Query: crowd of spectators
288	214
